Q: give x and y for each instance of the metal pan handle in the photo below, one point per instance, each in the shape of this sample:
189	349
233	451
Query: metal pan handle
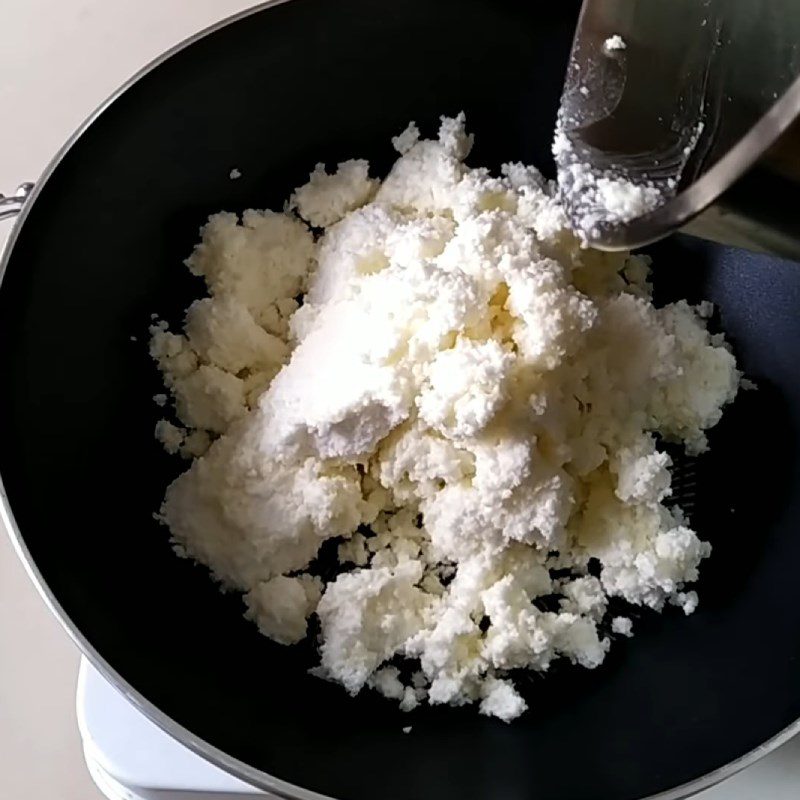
12	204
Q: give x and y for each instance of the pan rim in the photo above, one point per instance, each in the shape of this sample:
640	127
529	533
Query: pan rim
233	766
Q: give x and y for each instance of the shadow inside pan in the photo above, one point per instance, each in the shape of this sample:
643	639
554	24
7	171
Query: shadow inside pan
102	249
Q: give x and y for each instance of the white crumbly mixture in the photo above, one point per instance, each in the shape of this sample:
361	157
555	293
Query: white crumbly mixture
603	199
466	401
615	42
622	625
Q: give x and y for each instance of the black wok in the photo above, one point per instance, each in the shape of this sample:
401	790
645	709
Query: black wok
100	247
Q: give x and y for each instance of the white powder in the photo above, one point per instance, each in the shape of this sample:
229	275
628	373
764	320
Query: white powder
465	400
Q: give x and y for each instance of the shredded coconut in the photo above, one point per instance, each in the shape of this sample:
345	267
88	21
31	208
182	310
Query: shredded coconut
461	397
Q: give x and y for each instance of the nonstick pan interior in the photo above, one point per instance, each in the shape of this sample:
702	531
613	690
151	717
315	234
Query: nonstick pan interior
101	249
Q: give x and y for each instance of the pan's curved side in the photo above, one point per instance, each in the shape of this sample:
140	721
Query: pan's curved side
170	726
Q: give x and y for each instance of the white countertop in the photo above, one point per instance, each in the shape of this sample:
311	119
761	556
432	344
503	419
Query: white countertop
58	60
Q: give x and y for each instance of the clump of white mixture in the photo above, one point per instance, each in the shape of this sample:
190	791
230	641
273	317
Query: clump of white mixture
466	399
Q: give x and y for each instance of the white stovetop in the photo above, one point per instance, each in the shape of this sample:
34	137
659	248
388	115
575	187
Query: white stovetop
58	60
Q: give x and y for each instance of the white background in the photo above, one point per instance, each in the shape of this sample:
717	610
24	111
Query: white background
58	60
